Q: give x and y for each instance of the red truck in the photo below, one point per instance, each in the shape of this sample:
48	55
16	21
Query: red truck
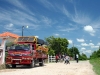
27	51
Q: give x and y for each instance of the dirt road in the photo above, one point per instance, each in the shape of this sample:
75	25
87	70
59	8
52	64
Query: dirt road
81	68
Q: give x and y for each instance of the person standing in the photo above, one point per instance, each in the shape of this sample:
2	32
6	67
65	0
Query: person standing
57	57
67	58
77	58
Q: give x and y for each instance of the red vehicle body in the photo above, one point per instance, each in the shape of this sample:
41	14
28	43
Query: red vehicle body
25	52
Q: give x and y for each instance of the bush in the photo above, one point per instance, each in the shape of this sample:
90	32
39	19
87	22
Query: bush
2	66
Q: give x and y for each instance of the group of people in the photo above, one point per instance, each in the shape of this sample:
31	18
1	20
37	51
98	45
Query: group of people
65	58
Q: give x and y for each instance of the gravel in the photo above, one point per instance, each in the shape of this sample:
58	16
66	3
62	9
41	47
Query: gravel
81	68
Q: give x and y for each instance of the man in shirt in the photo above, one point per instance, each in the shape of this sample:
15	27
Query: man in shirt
77	58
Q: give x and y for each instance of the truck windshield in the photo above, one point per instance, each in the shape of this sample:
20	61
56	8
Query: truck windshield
20	47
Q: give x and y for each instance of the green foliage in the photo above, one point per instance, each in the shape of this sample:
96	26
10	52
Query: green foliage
51	52
96	65
59	45
95	54
83	57
8	44
72	51
98	53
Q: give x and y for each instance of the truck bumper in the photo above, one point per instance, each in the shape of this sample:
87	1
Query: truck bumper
20	61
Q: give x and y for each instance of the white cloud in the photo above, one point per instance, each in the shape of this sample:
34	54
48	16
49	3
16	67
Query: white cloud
56	34
20	5
46	21
12	16
37	36
92	34
98	43
91	44
95	47
80	40
67	29
63	28
70	41
78	17
9	26
46	4
84	44
87	51
83	48
78	45
90	40
65	11
89	29
17	3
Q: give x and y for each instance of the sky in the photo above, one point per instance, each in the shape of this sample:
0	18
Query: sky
76	20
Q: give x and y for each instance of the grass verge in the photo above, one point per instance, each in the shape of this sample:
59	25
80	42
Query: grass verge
96	65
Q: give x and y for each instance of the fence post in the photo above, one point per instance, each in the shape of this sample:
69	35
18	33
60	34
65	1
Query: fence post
51	58
48	58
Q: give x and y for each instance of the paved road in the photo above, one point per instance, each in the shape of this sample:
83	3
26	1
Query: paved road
81	68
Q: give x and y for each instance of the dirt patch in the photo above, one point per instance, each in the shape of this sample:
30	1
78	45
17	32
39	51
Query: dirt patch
81	68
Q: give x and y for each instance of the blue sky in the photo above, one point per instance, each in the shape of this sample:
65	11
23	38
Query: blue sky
76	20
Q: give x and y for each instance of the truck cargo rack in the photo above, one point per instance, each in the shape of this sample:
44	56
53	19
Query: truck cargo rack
31	39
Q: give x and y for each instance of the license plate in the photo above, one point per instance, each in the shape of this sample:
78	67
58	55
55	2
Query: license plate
17	63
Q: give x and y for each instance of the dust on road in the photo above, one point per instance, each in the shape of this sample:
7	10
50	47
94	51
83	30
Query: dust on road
81	68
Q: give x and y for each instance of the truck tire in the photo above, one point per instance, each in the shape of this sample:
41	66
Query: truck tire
7	66
32	65
13	65
41	63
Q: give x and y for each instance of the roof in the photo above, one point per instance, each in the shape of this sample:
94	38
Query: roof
8	34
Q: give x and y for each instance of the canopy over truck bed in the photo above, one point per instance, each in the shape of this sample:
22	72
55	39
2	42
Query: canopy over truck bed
31	39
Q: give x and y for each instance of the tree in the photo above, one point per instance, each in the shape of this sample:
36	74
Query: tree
73	51
51	52
94	55
98	53
83	56
8	44
59	45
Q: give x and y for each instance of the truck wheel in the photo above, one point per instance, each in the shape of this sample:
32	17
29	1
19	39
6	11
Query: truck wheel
41	63
7	66
13	66
32	65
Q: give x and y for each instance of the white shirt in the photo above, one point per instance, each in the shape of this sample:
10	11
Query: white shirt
76	55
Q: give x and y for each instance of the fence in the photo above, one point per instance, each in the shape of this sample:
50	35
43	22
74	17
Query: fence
51	59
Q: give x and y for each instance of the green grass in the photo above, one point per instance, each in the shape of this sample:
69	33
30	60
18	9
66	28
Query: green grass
96	65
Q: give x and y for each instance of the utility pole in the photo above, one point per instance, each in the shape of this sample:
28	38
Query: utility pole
73	50
22	30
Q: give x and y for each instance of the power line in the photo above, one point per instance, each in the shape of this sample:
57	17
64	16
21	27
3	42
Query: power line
28	31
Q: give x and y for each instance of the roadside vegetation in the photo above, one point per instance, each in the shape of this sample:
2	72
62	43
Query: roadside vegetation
59	45
95	61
